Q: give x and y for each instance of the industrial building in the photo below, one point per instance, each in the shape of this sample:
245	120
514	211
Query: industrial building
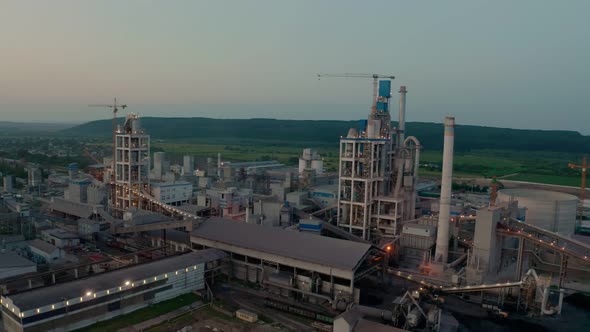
12	264
377	171
188	166
132	160
272	225
60	238
319	268
44	252
8	182
70	306
174	193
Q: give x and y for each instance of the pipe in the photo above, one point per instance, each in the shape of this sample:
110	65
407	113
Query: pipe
374	312
400	172
442	236
414	194
457	261
402	114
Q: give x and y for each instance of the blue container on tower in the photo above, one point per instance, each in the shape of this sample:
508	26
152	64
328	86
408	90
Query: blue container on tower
362	125
385	88
382	106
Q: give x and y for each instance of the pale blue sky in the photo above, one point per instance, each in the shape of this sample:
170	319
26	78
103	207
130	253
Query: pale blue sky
523	64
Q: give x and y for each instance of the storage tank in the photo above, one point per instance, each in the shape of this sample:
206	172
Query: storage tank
550	210
302	165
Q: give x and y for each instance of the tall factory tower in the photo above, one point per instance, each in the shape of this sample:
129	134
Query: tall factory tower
377	172
132	162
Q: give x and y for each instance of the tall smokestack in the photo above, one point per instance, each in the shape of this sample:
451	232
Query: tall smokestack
402	115
219	165
442	236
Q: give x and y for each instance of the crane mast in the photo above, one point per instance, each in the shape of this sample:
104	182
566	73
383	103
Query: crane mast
375	78
114	107
584	168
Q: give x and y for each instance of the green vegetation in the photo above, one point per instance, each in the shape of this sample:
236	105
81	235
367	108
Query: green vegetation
142	315
15	170
546	178
522	155
326	133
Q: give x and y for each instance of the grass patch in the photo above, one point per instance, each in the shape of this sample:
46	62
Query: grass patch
547	179
185	319
142	315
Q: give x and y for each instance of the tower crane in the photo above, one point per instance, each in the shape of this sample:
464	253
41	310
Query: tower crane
115	108
584	168
375	78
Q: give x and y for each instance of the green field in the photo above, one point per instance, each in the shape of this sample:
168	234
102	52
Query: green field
532	166
546	178
142	315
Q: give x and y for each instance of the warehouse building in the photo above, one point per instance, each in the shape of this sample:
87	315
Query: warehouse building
73	305
289	262
60	238
12	264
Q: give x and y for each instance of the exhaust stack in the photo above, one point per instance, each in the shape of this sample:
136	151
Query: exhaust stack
402	116
444	216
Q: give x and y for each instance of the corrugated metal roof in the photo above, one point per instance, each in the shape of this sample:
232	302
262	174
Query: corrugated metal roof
36	298
9	260
72	208
310	248
46	247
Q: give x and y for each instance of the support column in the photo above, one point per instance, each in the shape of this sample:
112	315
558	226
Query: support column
560	301
519	261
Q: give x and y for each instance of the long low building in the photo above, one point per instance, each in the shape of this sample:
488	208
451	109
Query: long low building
73	305
315	266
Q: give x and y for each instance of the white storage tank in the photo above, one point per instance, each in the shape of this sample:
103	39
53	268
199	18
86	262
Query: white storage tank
550	210
318	166
302	165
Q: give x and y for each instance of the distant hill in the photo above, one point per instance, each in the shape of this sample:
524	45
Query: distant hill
327	132
7	127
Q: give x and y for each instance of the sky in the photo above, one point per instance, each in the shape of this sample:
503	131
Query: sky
517	64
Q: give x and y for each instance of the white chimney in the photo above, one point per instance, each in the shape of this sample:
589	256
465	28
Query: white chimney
402	115
444	216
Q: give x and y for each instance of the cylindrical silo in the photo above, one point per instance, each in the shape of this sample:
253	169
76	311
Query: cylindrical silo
302	165
318	166
188	166
550	210
159	158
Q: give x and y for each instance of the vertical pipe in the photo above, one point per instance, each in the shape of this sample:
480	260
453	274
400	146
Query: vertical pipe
402	115
442	236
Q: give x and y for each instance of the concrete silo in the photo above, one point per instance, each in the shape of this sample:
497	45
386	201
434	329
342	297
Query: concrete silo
550	210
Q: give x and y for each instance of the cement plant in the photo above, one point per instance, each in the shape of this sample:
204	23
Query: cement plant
264	246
